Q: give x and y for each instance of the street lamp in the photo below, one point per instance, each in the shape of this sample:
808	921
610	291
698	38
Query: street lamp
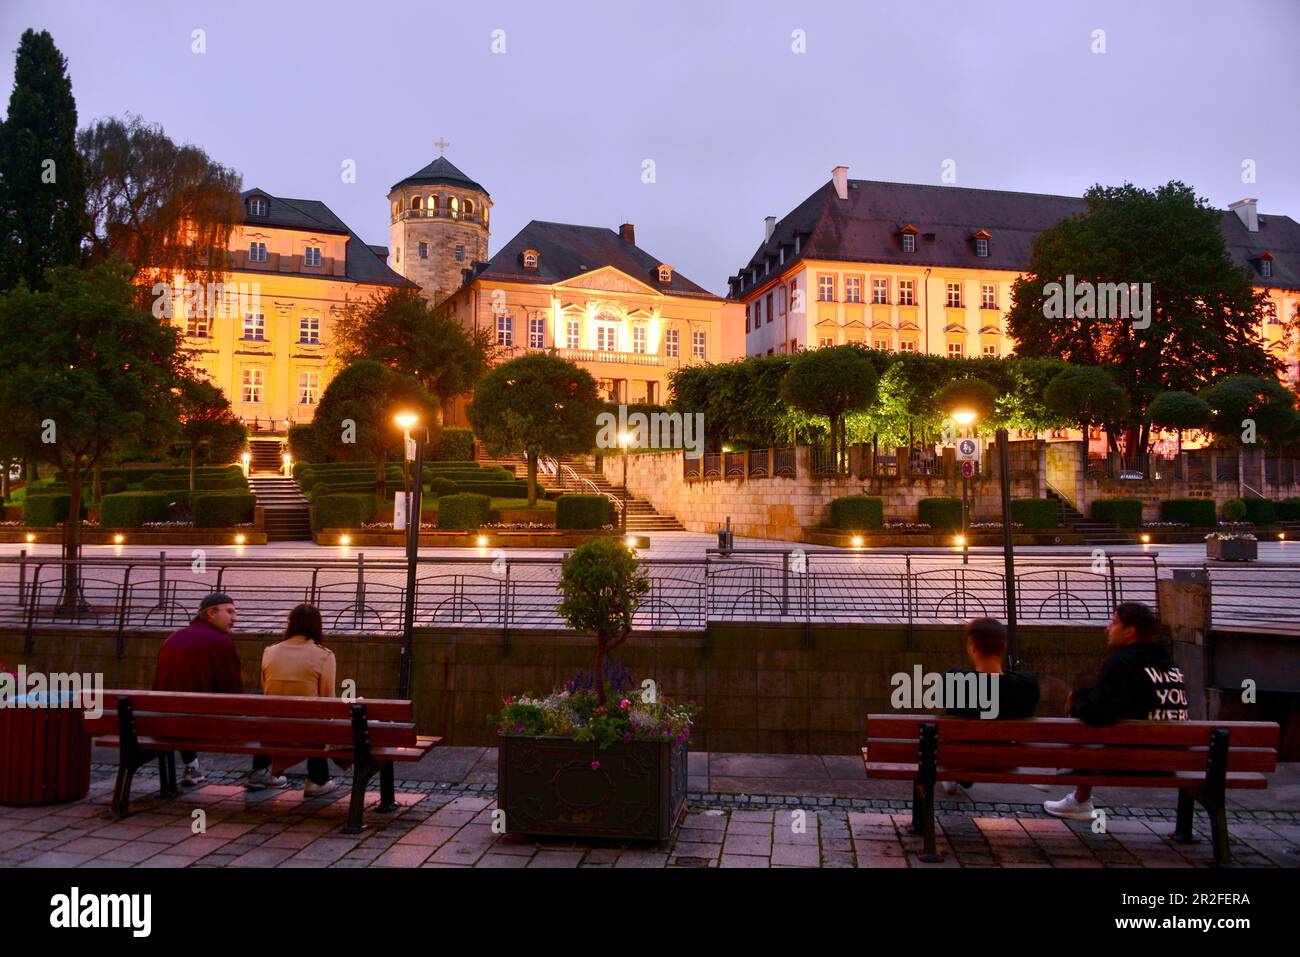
624	440
964	417
405	421
246	458
1008	555
413	448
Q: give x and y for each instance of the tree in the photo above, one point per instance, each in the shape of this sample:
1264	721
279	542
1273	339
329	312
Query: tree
1179	411
85	373
968	395
167	210
401	330
42	178
602	584
831	382
209	430
538	405
1248	406
1195	322
354	420
1087	396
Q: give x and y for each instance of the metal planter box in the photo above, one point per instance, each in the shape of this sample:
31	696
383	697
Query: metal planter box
1231	550
547	786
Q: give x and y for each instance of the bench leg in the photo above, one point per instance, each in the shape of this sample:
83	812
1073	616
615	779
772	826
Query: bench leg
1186	808
929	854
360	778
167	774
917	802
387	792
1218	830
122	789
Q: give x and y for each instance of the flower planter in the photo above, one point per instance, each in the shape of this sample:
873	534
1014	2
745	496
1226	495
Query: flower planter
1231	550
548	786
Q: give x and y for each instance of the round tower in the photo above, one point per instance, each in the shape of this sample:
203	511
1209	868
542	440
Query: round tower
439	227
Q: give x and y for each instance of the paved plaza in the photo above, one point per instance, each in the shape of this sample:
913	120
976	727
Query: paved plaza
744	811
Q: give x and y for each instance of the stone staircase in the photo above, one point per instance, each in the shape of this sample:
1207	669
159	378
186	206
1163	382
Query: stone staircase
288	515
266	455
1094	533
641	515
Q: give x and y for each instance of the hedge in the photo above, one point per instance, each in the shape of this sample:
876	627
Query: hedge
44	510
454	445
941	514
159	482
133	509
1196	512
1260	511
439	487
856	512
114	485
450	464
465	511
1288	510
516	489
1036	512
1124	512
221	509
582	511
348	510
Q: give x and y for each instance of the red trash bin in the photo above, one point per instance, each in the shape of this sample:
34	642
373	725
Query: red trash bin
44	753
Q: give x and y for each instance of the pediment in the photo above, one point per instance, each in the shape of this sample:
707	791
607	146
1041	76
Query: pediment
608	279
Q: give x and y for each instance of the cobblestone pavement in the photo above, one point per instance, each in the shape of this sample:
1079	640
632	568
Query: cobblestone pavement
441	824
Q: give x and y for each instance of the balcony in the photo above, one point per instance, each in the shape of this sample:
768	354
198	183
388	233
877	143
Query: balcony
439	213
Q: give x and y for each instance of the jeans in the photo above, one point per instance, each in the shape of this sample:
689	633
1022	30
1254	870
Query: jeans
318	769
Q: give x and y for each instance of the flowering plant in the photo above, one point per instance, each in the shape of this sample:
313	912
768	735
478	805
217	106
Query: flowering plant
1230	537
572	712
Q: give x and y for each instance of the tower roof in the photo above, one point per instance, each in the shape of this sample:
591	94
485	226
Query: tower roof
440	171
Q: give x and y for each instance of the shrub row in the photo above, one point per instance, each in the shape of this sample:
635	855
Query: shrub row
1196	512
1288	510
1036	512
941	514
217	509
582	511
466	511
854	512
133	509
348	510
1124	512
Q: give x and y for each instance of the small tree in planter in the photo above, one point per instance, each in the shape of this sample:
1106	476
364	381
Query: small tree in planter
1233	545
603	585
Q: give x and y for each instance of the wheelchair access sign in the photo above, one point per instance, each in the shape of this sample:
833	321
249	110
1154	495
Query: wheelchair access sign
968	450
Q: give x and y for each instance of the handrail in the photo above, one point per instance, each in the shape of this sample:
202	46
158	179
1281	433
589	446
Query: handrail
582	482
1254	492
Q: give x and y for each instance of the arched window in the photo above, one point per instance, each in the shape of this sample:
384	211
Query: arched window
469	208
431	204
530	258
397	208
415	202
454	204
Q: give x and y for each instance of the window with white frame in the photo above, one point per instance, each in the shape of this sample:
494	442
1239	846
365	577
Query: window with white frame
308	388
1266	267
990	351
198	327
639	339
312	256
255	326
257	206
606	338
252	380
536	333
758	313
825	341
573	334
982	248
852	288
825	288
907	345
954	295
880	292
505	330
309	330
955	350
697	345
909	242
749	321
256	252
907	292
881	345
784	302
672	343
988	296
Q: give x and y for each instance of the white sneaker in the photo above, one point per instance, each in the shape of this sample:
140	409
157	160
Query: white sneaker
258	780
1069	808
312	789
193	776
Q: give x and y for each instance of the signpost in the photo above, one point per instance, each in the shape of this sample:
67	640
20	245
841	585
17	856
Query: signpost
968	453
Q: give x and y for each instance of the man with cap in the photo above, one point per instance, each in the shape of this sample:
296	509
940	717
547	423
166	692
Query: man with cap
201	657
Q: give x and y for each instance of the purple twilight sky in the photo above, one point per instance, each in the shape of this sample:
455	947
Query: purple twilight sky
738	124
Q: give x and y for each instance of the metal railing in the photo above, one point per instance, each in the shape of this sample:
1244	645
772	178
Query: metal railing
566	477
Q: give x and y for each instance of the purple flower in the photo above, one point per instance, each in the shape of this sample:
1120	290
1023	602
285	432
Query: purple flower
595	765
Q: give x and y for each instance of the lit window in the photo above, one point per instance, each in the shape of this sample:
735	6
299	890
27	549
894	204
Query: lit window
880	292
257	206
460	254
530	258
825	288
536	333
982	248
257	252
454	205
308	388
955	350
853	289
990	352
907	292
505	330
252	385
424	250
954	295
907	345
672	343
1270	310
697	345
638	339
881	345
572	334
431	205
312	257
909	242
606	338
824	341
988	296
665	273
255	326
197	327
309	330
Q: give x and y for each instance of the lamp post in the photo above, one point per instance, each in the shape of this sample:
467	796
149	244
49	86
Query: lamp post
413	496
964	417
1008	556
624	439
405	421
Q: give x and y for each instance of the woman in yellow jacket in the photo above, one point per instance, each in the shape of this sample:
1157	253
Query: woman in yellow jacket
300	666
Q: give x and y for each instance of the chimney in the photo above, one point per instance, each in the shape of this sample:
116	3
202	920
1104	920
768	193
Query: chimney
627	233
769	227
1248	213
840	177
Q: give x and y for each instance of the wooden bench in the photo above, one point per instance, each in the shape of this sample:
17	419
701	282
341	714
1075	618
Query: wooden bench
149	725
1201	759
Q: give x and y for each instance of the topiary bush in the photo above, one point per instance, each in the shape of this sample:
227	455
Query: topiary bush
941	514
45	510
1124	512
114	485
1288	510
464	511
221	509
1196	512
133	509
454	445
348	510
1036	512
582	511
856	512
1260	511
439	487
1234	510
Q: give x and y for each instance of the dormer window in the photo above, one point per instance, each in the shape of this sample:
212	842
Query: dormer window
312	256
257	206
1266	264
530	258
982	248
907	236
665	273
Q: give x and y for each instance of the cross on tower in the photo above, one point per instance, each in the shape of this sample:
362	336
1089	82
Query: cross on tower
441	144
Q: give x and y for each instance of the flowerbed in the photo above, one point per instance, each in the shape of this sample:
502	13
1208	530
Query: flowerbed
574	711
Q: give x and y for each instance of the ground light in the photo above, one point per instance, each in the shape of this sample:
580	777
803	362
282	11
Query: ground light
856	541
345	540
1281	536
31	537
239	539
959	541
118	539
482	541
1146	539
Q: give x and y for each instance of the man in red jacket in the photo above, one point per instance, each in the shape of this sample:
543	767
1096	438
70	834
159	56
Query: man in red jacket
201	657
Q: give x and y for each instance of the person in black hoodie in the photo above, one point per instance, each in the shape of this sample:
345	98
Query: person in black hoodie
1138	681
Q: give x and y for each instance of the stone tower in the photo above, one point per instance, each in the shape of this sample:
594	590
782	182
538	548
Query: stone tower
439	227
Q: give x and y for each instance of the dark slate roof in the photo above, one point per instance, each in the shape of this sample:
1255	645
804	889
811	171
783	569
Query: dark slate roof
865	228
363	264
440	171
380	251
567	251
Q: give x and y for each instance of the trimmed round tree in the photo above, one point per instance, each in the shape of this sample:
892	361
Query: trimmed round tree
1250	405
602	583
536	405
832	382
1179	411
1087	396
967	395
209	430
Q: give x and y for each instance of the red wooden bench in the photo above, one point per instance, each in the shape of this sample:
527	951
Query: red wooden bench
1200	759
149	725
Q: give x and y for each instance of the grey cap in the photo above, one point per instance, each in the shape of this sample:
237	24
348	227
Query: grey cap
216	598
